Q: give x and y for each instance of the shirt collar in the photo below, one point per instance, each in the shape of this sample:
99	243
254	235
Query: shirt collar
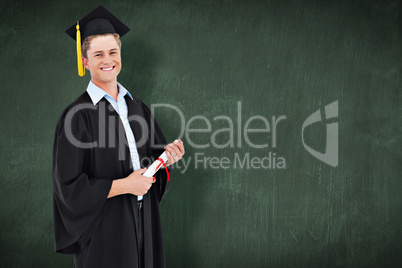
96	93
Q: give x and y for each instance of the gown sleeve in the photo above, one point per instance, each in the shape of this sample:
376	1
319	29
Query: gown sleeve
79	200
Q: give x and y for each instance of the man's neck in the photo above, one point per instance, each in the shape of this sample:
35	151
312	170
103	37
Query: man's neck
110	87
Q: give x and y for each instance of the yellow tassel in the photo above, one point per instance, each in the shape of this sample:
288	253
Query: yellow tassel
81	69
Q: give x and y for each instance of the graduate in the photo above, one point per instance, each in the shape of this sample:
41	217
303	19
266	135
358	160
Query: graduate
105	211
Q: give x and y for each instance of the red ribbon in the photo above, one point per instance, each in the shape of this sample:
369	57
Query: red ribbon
163	163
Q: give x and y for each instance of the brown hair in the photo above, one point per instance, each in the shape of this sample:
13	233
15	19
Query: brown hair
87	42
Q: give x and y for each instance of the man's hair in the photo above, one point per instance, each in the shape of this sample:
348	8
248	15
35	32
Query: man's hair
87	42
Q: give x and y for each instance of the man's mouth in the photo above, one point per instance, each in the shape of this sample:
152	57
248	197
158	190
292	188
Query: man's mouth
107	68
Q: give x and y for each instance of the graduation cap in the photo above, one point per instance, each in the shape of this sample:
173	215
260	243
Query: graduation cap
98	21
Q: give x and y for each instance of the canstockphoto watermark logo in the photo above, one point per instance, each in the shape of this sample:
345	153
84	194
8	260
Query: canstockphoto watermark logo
331	151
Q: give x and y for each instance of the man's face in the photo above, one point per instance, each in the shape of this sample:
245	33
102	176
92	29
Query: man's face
103	59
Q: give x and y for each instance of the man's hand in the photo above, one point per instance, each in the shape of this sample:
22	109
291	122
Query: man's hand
135	184
138	184
174	152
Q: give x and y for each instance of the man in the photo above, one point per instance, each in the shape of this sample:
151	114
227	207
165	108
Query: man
105	211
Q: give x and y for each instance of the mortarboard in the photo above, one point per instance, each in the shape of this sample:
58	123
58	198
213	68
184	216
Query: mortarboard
98	21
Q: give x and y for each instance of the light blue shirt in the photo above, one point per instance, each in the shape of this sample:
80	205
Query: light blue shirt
96	94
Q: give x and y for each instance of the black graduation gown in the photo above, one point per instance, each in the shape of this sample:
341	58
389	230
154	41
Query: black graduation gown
101	232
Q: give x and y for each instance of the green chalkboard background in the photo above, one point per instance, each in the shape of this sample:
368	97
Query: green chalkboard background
210	58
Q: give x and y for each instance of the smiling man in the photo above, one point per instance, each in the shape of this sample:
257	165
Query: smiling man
105	211
103	60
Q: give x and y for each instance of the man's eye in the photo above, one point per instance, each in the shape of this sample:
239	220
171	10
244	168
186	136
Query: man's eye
112	52
98	55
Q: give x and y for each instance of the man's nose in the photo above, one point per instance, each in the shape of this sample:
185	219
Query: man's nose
107	59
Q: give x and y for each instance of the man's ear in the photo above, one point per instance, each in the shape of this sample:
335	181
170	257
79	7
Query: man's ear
85	62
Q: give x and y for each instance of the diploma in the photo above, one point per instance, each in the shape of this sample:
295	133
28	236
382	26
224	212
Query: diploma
152	169
156	165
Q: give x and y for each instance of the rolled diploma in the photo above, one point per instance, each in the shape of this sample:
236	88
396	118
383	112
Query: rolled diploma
152	169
